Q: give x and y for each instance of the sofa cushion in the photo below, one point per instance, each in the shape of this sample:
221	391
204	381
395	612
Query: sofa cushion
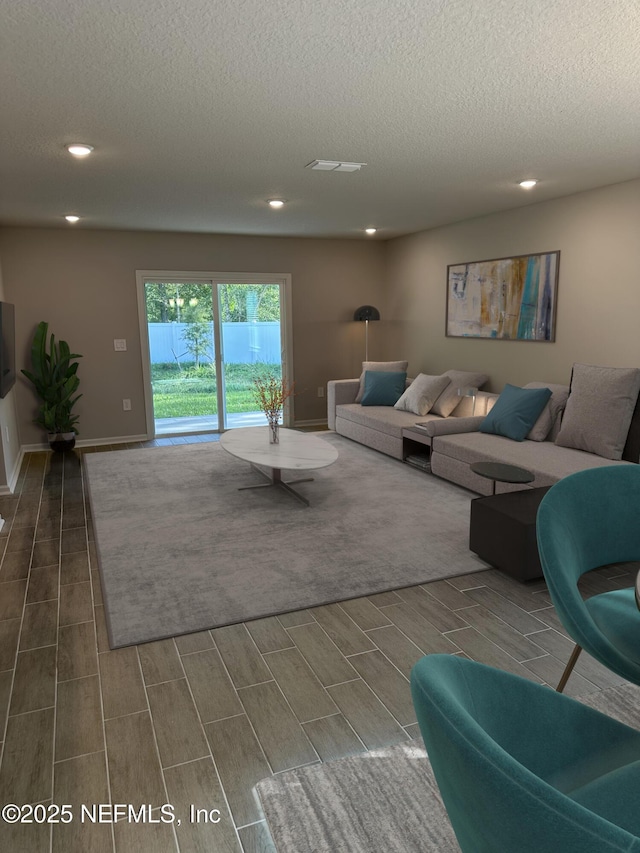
391	366
422	393
382	418
382	387
449	399
599	409
550	416
516	411
546	460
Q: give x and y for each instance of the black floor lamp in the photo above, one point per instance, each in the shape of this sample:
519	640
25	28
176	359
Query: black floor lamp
366	313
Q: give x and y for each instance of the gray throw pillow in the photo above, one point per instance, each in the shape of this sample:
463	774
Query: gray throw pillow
599	409
449	399
378	366
422	393
551	412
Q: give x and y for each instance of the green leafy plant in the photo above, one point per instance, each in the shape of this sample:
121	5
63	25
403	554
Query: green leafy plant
197	339
54	378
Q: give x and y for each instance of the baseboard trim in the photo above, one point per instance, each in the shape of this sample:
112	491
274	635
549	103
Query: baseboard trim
13	477
317	422
88	442
121	439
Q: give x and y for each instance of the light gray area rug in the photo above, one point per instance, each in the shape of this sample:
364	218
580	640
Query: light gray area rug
182	550
383	801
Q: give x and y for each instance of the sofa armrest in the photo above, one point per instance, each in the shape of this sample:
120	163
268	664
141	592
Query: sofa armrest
452	426
340	391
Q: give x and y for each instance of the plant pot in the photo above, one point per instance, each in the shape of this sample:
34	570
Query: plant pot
59	442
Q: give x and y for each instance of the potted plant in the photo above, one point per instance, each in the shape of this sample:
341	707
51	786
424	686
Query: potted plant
54	378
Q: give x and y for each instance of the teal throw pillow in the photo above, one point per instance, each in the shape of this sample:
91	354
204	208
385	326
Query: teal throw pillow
516	410
382	388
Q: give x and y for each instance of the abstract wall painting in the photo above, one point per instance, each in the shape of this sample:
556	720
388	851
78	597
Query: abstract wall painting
504	299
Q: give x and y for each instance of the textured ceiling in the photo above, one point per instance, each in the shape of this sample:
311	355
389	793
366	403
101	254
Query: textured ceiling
200	110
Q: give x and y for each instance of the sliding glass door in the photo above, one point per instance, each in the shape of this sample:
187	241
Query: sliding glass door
182	364
251	345
206	340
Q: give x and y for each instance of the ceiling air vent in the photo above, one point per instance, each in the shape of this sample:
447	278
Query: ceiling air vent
334	166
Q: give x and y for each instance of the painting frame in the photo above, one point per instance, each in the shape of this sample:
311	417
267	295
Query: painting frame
513	298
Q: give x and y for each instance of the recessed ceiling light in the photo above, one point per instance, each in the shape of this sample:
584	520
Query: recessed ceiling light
370	230
79	149
526	185
72	217
275	202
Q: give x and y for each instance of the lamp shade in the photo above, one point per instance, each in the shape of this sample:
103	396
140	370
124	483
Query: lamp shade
366	312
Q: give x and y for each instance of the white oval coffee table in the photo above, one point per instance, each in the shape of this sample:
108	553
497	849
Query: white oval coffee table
295	451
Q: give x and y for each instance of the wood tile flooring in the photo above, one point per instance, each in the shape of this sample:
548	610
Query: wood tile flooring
198	719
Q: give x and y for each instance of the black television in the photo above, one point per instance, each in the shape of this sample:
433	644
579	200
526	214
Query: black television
7	348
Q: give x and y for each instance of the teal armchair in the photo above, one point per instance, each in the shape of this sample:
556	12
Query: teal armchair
522	768
585	521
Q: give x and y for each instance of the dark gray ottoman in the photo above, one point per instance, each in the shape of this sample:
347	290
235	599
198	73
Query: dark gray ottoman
503	532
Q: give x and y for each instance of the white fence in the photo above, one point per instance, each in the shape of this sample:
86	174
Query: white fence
242	343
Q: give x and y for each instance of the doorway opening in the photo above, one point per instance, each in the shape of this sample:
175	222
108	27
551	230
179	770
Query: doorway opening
206	340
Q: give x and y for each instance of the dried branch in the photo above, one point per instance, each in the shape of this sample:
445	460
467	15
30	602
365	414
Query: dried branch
270	394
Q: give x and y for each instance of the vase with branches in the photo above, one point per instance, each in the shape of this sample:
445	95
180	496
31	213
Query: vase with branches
270	394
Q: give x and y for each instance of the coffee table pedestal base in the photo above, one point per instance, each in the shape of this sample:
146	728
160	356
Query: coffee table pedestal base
276	480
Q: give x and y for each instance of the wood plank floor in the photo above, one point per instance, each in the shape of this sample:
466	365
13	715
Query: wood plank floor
197	720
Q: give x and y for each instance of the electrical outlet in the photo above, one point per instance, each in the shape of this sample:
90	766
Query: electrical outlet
126	405
119	344
320	390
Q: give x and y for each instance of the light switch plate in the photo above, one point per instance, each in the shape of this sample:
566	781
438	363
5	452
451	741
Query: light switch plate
119	344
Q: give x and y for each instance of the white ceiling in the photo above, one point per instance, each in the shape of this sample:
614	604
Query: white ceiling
200	110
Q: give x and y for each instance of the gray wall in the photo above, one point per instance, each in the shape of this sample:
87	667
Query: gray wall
83	283
598	235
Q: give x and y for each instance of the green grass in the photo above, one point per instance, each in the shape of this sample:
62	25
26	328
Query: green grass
192	392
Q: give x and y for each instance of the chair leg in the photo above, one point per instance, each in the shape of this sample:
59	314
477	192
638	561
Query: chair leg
575	654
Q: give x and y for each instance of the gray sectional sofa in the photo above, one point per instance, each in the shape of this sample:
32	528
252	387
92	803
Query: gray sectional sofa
452	455
592	424
456	441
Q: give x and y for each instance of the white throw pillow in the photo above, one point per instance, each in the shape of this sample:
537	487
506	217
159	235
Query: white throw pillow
422	393
449	399
390	366
551	412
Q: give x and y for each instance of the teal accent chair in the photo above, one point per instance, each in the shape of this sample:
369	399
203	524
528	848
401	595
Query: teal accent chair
522	768
585	521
